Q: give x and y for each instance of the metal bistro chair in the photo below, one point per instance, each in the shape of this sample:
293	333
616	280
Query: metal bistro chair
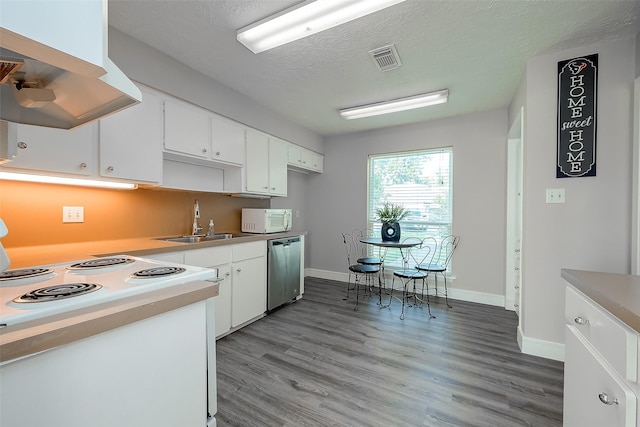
359	271
441	262
366	259
413	256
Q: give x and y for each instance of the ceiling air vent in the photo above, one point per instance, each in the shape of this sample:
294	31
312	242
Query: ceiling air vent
386	57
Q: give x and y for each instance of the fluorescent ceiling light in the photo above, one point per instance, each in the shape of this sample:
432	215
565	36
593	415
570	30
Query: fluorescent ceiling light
45	179
303	20
401	104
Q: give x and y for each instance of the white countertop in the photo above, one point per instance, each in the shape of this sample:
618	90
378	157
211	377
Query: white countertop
617	293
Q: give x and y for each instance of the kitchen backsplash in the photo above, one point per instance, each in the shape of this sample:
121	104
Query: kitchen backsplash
33	213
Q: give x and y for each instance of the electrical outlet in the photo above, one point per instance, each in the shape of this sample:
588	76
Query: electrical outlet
73	214
555	195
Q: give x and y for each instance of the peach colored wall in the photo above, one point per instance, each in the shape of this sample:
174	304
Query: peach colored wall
33	213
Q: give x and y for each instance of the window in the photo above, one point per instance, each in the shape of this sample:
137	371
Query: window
420	181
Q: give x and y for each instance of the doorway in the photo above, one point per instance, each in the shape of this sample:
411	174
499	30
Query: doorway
513	275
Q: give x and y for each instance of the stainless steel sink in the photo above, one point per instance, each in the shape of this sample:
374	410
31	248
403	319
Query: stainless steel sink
196	239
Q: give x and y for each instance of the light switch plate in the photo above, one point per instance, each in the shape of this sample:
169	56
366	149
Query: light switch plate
555	195
73	214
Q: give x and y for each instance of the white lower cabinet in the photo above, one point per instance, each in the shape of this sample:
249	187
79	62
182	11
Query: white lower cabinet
220	258
249	282
601	361
242	294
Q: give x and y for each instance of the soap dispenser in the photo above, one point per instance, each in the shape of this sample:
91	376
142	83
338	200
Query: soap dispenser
210	232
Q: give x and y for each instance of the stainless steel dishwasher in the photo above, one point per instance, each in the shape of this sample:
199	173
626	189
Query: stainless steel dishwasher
283	271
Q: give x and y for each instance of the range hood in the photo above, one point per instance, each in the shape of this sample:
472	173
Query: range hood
54	69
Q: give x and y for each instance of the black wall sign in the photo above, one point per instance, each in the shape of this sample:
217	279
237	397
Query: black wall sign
577	107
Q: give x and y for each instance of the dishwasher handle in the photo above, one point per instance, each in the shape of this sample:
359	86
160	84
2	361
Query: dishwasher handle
284	242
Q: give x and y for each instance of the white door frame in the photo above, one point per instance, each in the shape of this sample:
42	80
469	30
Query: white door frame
635	184
513	272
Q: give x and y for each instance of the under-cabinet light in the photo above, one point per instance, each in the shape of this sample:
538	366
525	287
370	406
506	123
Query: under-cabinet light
45	179
401	104
305	19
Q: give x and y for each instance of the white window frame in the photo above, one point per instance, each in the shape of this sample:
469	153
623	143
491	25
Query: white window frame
431	221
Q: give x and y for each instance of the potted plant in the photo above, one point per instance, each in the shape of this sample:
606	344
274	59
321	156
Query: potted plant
390	215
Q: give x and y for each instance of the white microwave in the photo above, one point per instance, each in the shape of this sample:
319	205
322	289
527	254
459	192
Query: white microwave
266	220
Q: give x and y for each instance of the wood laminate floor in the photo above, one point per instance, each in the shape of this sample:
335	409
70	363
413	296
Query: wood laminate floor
317	362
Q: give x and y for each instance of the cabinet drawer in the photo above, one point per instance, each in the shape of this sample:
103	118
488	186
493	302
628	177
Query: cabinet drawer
594	395
249	250
614	340
208	257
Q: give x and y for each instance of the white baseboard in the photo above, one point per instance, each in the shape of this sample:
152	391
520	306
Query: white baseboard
540	348
459	294
532	346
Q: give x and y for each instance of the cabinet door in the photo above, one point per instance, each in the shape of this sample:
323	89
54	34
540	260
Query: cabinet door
305	158
317	162
54	150
131	141
293	155
222	302
277	167
187	129
594	395
227	141
220	258
249	290
257	164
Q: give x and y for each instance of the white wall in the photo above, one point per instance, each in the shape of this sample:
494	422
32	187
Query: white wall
591	231
338	198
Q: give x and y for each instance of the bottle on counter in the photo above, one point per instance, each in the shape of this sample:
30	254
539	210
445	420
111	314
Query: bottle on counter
210	232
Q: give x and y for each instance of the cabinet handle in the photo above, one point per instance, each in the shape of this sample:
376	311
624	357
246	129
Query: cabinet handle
217	153
227	274
517	250
110	169
204	150
516	305
516	287
22	145
517	268
239	270
580	321
604	398
83	165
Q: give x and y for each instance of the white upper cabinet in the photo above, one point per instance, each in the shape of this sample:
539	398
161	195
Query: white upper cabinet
227	143
131	141
53	150
187	129
277	167
257	162
266	164
317	162
301	159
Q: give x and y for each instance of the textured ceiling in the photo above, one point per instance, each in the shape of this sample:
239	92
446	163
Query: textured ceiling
476	49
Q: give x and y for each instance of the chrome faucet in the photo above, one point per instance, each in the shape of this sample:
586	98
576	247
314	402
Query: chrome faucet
196	216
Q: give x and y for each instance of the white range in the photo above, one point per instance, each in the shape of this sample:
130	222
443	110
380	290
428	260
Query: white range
159	371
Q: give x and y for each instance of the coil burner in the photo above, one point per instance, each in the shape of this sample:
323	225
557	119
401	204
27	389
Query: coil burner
23	273
151	273
58	292
100	263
